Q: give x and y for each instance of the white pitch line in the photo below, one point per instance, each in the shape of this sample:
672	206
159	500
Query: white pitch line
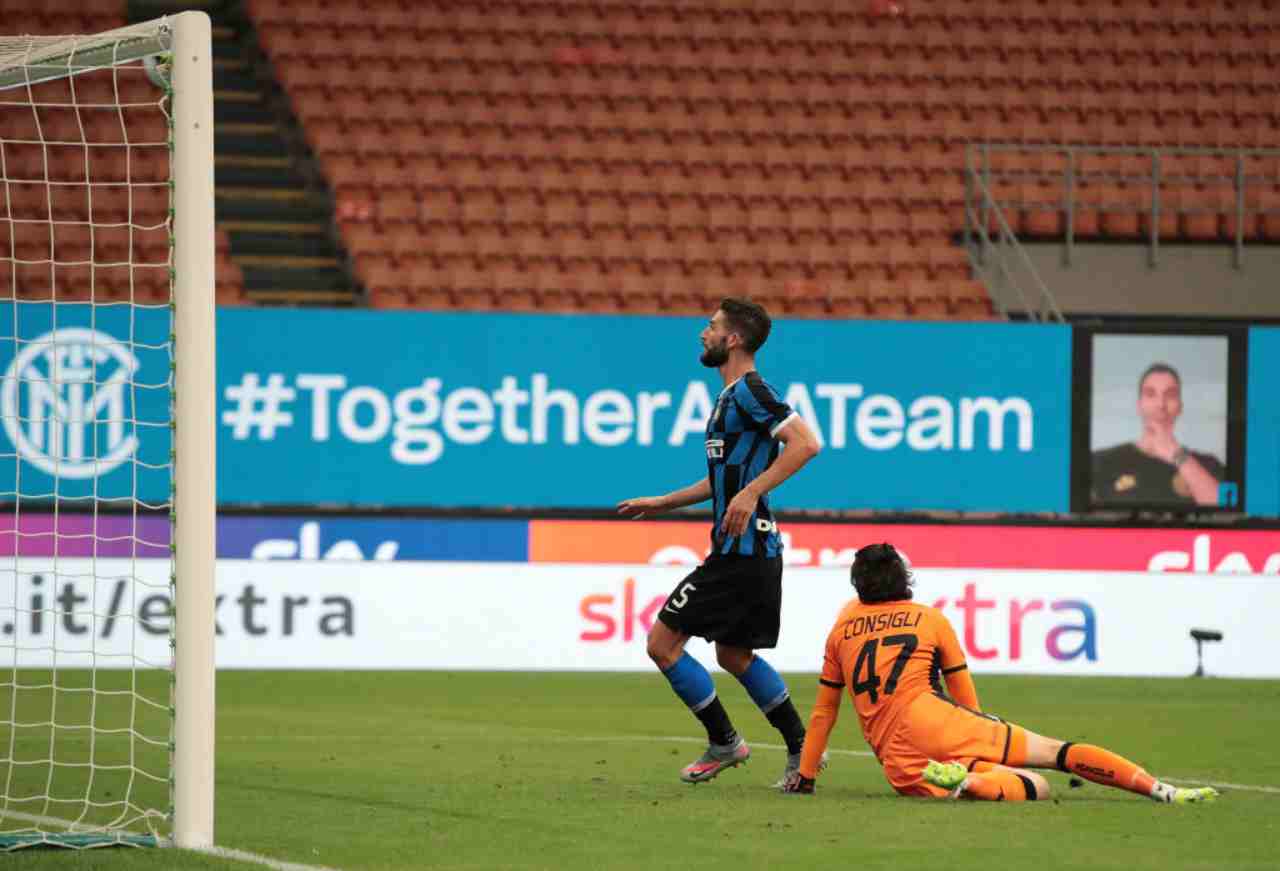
1221	785
69	825
680	739
221	852
276	864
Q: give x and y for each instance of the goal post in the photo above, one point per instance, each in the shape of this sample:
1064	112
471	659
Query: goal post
107	400
194	417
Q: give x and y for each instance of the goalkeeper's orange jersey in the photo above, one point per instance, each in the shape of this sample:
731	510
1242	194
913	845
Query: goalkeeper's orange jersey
888	654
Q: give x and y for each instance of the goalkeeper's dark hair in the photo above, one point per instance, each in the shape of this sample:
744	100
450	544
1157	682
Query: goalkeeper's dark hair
880	574
748	319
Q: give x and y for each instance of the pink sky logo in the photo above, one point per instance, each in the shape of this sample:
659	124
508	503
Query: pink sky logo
626	619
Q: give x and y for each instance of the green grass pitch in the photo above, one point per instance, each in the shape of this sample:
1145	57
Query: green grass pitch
410	770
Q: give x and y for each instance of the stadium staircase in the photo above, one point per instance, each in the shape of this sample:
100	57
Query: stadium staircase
275	213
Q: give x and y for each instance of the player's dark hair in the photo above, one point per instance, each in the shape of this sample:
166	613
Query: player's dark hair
879	574
1159	369
748	319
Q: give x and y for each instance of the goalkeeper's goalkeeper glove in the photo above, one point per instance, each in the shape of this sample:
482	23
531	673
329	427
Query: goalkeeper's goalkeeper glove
797	783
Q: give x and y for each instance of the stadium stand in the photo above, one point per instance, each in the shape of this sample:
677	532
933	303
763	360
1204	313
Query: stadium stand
810	153
571	156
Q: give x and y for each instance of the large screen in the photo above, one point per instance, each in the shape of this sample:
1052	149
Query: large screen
1160	423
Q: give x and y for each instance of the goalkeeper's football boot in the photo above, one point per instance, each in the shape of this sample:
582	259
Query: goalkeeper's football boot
1167	793
716	759
947	775
793	764
1183	795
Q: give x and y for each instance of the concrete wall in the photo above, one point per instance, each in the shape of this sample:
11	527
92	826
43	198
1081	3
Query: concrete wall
1188	280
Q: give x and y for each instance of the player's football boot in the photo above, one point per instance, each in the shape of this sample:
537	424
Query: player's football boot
793	764
1183	795
715	760
948	775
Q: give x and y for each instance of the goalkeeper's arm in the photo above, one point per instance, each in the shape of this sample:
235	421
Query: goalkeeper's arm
826	709
954	668
961	689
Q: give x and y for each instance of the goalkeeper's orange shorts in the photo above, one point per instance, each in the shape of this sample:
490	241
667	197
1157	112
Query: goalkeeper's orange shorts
936	728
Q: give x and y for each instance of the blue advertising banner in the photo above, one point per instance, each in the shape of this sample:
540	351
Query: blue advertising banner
476	410
1262	439
84	403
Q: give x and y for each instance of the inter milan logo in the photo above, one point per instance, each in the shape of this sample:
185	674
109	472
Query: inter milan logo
64	403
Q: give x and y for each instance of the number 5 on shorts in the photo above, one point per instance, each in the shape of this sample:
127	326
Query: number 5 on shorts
680	597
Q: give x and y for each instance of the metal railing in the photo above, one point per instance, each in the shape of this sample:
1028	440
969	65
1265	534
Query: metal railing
999	272
980	175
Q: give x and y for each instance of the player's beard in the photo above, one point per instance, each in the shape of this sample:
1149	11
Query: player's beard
715	356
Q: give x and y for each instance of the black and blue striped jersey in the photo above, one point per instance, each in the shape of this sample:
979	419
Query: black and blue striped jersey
741	443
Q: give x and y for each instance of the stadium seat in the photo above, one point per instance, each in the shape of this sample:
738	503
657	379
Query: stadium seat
1120	205
637	293
805	298
926	299
1164	213
390	298
689	299
381	273
849	301
887	299
1268	200
558	293
34	281
397	206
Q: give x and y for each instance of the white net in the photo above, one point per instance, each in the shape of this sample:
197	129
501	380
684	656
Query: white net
86	400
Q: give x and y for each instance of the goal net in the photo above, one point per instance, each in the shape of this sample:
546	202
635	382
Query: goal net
106	417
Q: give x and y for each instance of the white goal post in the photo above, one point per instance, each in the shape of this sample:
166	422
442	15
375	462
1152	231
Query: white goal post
57	281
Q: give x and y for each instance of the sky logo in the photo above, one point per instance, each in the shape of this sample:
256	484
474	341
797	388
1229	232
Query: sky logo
307	547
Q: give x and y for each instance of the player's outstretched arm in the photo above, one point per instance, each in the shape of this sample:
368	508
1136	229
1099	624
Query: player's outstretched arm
646	506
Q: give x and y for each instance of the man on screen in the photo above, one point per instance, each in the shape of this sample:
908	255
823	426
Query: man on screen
1156	468
734	598
893	656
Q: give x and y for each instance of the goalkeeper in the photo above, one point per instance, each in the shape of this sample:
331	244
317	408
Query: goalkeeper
892	654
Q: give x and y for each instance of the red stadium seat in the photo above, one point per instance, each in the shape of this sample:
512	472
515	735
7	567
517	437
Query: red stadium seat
849	301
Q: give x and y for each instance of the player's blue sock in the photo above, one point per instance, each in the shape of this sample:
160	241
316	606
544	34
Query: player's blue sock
691	682
764	685
770	694
693	685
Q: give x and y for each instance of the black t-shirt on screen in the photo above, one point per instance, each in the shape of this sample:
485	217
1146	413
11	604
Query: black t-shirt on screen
1125	474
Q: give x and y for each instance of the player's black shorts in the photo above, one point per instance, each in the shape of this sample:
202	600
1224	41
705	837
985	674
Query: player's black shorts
736	600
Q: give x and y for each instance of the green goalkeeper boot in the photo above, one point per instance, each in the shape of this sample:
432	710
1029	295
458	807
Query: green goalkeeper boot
947	775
